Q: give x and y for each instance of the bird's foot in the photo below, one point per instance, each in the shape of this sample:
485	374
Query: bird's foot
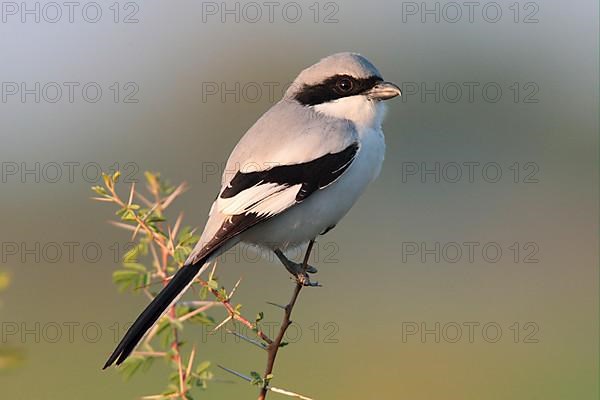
294	268
297	270
304	280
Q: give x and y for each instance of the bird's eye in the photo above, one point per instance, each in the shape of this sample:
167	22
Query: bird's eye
344	85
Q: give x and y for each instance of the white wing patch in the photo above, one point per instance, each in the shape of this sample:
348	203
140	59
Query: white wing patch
264	199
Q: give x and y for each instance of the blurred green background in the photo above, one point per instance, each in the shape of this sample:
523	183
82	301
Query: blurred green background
379	294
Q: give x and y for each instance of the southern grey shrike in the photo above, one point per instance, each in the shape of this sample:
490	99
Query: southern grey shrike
318	147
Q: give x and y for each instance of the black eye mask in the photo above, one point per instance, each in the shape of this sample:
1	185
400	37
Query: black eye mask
334	88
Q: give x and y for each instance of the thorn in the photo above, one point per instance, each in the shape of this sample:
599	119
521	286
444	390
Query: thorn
239	375
177	224
247	339
276	305
288	393
131	194
226	320
234	289
190	362
135	232
122	225
155	258
144	200
179	190
171	244
150	211
198	310
159	397
212	271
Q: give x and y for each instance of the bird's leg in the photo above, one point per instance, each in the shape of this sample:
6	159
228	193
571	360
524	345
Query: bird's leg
296	269
293	267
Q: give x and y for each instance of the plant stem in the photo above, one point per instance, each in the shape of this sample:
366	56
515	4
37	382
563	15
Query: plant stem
273	348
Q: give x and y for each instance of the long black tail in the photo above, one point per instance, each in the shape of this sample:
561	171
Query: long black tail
153	312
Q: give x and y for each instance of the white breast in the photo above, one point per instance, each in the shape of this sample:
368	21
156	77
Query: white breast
326	207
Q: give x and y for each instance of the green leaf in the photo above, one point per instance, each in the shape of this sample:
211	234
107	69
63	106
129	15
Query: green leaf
186	237
125	279
127	215
174	378
203	366
180	255
222	293
171	269
155	218
156	229
259	317
162	326
213	284
176	324
100	190
135	267
133	276
203	293
167	337
134	364
203	319
106	179
132	255
151	178
268	378
202	374
256	378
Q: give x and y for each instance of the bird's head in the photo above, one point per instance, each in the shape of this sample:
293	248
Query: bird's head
346	86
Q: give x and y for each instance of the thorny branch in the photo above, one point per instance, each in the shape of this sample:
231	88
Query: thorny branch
273	348
167	249
140	222
162	247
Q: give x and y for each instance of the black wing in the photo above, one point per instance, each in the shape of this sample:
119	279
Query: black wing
312	175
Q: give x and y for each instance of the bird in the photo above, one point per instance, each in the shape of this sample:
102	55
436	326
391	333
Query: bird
292	177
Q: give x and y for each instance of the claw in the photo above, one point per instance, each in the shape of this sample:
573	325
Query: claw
303	279
294	268
312	284
311	270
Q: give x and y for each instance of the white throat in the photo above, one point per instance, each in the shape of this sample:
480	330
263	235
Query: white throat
364	113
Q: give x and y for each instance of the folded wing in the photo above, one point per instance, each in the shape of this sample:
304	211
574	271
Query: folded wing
253	197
